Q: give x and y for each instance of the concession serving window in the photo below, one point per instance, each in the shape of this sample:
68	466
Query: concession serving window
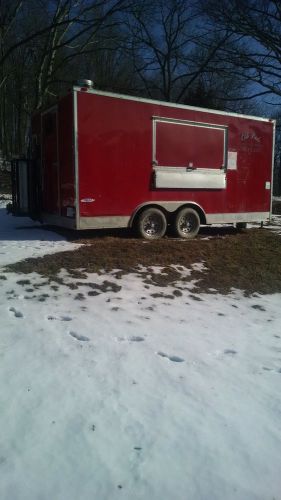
189	154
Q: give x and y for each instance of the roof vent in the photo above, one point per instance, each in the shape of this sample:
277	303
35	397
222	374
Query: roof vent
85	83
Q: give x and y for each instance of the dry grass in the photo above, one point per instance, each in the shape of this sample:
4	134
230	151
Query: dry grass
250	260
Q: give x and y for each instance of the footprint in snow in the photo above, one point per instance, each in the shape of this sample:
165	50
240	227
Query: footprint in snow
265	368
230	352
175	359
134	338
258	307
62	318
17	314
77	336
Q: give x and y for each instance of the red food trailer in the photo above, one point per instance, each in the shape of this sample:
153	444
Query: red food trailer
104	160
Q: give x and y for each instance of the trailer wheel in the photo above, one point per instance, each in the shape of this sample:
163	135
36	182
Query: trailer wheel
187	223
151	224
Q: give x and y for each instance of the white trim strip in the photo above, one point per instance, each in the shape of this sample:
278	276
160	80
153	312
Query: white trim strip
189	123
111	222
106	222
237	217
170	104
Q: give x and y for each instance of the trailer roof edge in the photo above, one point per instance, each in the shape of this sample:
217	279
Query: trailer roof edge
171	104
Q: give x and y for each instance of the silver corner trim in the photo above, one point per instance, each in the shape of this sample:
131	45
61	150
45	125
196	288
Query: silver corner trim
272	166
75	159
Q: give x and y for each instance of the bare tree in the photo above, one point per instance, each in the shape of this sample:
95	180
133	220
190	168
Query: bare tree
254	26
254	54
66	13
37	39
165	37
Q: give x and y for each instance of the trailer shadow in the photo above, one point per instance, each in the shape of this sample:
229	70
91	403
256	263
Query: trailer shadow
206	232
24	229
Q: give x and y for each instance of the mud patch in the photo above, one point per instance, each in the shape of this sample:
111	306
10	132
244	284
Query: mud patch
162	295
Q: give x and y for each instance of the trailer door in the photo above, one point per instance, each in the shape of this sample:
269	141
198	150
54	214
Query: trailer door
50	163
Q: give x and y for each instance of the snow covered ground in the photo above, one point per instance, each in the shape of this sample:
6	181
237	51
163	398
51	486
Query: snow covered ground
20	238
119	394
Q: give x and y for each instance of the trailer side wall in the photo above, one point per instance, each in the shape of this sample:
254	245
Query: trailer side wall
115	155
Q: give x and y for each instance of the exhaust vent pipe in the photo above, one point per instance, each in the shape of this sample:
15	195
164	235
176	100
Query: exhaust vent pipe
85	83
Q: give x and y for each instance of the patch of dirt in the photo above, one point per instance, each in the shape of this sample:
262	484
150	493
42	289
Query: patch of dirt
162	296
249	260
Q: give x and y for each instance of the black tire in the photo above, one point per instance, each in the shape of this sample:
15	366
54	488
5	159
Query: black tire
187	223
151	224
